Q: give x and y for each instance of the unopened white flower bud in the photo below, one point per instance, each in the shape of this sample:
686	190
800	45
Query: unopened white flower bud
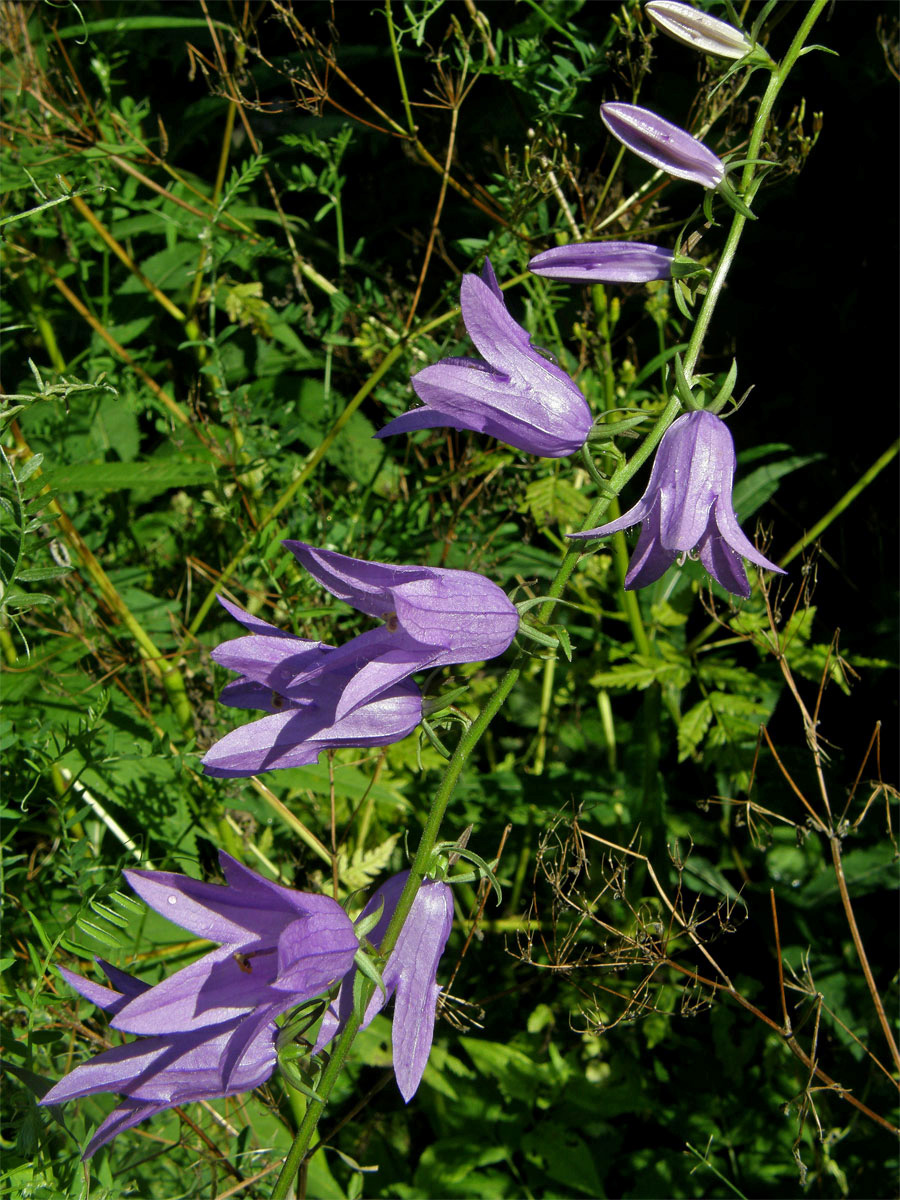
698	29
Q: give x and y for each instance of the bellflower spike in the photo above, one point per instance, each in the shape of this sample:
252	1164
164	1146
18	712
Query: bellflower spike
663	144
409	975
687	508
604	262
698	29
210	1028
515	395
302	708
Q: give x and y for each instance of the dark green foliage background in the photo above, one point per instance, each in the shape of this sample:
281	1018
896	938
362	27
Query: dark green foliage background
572	1061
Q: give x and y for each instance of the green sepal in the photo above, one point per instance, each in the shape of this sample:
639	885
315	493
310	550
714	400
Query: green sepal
733	200
484	870
295	1079
365	925
684	267
366	967
535	635
524	605
438	704
435	741
681	295
724	393
302	1019
682	387
610	429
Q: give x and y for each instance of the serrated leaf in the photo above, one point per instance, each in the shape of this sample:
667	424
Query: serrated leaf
641	672
362	867
554	500
692	728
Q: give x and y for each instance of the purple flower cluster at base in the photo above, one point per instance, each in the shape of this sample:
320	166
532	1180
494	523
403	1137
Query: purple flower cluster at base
209	1030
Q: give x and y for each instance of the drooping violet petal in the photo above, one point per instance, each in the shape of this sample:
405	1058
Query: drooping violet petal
297	737
409	975
521	398
687	506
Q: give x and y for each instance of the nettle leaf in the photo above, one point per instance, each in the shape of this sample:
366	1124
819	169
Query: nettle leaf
362	867
641	671
692	729
555	500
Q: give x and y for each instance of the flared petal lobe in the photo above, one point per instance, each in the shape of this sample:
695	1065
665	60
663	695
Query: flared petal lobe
663	144
687	508
515	395
461	615
409	976
604	262
210	1028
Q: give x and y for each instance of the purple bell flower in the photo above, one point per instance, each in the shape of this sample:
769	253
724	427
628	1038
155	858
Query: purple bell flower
604	262
687	508
357	694
409	974
303	717
663	144
155	1073
210	1027
516	395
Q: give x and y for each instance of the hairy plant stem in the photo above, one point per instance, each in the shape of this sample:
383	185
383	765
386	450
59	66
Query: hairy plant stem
750	182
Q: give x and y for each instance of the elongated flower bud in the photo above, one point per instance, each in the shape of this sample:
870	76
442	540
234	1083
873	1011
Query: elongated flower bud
663	144
604	262
698	29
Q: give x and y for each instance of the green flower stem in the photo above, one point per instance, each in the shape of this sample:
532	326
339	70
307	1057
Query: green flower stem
750	182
